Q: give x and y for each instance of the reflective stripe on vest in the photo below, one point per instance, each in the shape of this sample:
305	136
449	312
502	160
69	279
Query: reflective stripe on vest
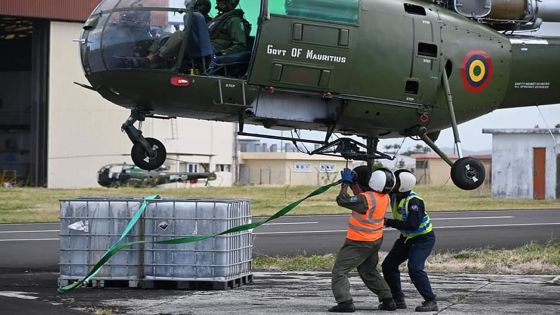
368	226
400	213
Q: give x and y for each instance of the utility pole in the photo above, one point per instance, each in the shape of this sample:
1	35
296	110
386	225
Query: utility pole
235	157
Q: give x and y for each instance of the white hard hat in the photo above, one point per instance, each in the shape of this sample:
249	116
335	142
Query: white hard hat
382	180
405	180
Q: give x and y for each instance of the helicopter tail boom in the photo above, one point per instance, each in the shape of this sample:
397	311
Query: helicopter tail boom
534	72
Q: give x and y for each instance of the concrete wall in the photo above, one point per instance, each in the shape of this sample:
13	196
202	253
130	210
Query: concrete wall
84	129
512	170
289	168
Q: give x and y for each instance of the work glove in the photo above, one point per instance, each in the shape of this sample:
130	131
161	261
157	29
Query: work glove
346	176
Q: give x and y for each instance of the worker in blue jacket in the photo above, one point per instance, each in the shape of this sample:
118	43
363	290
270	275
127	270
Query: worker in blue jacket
414	244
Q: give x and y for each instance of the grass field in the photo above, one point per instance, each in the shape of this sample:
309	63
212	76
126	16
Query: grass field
19	205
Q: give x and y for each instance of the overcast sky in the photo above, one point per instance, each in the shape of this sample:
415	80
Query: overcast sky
471	132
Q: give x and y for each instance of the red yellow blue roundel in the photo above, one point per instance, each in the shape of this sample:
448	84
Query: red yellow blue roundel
477	70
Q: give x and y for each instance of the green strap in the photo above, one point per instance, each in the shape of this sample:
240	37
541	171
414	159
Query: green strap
182	240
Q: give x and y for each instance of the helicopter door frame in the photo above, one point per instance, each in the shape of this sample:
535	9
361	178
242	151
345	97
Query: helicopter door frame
264	15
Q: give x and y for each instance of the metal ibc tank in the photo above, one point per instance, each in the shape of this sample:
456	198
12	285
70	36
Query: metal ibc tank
88	228
219	259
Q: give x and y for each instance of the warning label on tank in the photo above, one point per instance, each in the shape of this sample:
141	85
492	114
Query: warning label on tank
532	85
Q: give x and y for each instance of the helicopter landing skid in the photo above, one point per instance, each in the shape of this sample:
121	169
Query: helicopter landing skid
350	150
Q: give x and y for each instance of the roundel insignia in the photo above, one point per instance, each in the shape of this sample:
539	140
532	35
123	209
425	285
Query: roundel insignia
477	70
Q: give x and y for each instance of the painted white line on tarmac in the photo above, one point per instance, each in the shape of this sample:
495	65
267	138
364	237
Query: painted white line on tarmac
438	227
473	218
19	295
338	231
495	225
29	239
299	232
32	231
291	223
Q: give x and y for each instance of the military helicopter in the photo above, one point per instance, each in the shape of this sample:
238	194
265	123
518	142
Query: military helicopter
369	68
123	174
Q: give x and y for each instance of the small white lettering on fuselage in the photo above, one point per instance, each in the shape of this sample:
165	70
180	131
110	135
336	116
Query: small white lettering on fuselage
308	54
532	85
229	85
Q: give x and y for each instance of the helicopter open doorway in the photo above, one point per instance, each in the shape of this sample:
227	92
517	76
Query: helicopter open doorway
24	101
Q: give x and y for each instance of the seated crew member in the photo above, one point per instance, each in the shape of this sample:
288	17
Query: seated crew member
229	30
169	49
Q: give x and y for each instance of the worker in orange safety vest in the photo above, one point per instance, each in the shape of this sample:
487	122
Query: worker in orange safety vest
364	235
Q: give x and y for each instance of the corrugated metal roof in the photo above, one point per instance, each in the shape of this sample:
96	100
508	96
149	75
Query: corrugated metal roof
66	10
522	131
432	156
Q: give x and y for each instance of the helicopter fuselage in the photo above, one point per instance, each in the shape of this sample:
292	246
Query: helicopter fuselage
378	77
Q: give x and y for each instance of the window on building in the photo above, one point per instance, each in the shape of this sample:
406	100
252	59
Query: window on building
302	167
192	168
346	11
223	168
421	165
327	168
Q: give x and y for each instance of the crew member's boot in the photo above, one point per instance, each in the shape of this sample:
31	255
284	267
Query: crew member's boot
343	307
427	306
387	305
401	303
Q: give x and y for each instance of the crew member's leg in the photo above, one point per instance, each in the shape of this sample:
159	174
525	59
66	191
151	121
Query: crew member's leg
418	253
171	48
374	281
351	255
390	267
371	277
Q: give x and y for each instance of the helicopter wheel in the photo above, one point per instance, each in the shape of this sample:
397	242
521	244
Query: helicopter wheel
141	158
468	173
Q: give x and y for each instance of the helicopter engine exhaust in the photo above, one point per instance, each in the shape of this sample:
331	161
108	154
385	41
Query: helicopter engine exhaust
530	13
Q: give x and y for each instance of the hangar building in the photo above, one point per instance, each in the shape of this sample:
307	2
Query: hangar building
58	135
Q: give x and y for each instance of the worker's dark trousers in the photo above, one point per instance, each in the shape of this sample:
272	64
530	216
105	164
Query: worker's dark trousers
364	256
416	250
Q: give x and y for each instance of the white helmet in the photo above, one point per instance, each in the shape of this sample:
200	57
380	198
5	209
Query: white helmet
382	180
405	181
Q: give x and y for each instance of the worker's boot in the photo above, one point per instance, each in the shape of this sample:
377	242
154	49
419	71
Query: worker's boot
427	306
387	305
401	303
343	307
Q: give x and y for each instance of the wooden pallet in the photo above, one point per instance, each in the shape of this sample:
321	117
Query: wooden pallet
164	284
103	283
196	284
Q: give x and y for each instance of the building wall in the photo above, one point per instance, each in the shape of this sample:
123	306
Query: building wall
288	168
84	129
67	10
512	171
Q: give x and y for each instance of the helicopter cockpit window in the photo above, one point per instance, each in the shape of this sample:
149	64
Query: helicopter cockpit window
106	5
337	11
126	36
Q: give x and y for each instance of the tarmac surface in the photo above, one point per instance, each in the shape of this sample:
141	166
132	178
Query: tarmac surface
281	293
